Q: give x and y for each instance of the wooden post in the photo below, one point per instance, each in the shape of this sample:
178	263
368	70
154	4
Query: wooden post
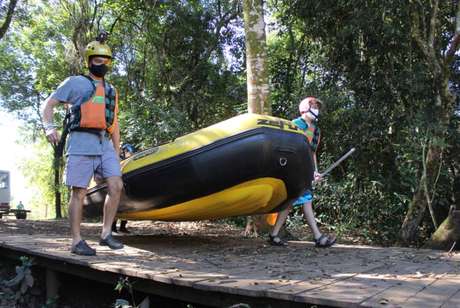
52	284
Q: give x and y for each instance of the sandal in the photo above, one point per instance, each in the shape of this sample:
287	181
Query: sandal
275	240
325	241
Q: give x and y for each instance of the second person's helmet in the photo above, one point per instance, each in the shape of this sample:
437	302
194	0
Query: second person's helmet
304	105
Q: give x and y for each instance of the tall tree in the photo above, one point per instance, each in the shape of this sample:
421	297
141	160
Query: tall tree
256	57
8	17
439	53
257	77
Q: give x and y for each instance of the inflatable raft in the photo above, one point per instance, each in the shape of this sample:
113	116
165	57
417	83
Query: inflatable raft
249	164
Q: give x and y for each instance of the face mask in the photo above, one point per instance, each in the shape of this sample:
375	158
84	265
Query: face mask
98	70
313	113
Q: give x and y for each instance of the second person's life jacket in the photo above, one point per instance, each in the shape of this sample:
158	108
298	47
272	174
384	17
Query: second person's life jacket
312	132
99	112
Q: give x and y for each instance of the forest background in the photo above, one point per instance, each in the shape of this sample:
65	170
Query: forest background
387	71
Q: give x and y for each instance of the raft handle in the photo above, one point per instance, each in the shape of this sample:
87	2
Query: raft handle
283	161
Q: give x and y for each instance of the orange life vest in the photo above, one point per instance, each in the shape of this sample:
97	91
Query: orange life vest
99	112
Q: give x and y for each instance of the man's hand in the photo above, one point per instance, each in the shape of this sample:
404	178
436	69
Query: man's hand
52	136
317	176
50	129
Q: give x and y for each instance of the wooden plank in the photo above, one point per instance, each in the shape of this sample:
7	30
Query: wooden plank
40	249
453	301
282	287
290	290
435	294
189	278
410	283
345	293
353	291
398	294
238	286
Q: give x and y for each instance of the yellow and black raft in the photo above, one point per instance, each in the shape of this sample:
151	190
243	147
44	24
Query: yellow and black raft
249	164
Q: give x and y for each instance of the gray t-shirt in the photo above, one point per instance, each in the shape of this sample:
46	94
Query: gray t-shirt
76	90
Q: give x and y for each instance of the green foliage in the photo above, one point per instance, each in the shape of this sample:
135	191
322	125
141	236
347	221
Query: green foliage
124	284
178	78
13	290
34	62
362	207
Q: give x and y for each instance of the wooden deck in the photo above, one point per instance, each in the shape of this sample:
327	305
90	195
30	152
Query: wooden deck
225	274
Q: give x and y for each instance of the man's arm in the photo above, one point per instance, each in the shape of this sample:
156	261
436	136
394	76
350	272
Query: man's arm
316	175
116	131
50	129
315	162
116	139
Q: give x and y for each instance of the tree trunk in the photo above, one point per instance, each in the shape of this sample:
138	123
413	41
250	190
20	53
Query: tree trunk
256	57
420	201
257	80
8	18
425	36
448	232
57	162
414	216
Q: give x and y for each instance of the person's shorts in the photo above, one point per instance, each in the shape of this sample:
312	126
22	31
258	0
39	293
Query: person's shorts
80	169
306	197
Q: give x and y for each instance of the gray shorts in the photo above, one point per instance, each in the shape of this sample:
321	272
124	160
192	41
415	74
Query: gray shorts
80	168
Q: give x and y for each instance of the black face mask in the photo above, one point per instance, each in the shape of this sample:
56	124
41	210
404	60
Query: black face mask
98	70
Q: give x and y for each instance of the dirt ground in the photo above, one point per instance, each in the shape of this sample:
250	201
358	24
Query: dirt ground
92	230
219	228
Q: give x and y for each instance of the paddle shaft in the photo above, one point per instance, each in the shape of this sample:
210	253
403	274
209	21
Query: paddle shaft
341	159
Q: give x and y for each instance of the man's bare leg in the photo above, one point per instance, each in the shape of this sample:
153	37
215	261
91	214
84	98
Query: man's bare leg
310	217
75	212
280	220
114	187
